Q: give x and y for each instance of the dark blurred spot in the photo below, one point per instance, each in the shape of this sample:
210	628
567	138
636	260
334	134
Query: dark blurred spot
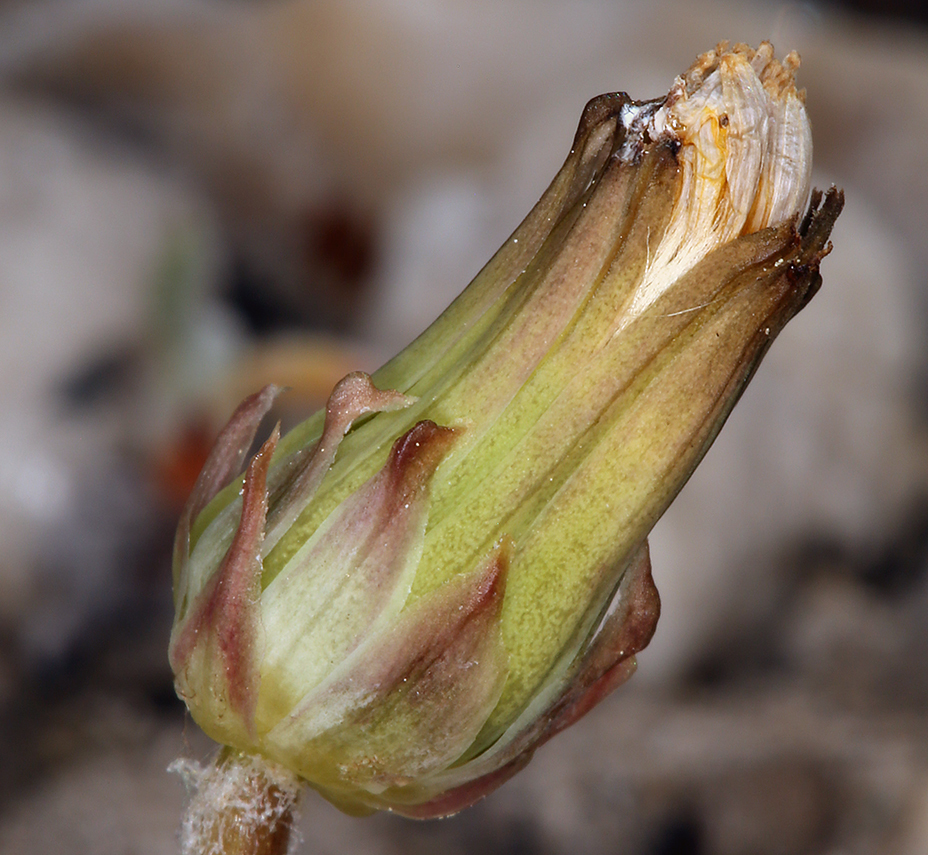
262	307
748	647
892	567
98	379
341	241
900	10
680	834
162	698
332	253
900	564
742	657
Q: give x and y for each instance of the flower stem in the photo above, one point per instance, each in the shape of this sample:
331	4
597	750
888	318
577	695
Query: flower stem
240	805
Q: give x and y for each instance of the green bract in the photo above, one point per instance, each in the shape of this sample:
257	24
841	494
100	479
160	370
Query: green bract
411	591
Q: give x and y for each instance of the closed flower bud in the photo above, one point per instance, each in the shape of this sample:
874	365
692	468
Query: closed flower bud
410	592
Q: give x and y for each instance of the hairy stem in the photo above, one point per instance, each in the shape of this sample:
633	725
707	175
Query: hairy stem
240	804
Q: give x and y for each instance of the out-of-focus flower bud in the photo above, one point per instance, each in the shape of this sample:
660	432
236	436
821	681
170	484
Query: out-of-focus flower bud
411	591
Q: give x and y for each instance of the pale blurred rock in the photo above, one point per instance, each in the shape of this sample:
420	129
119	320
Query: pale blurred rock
83	224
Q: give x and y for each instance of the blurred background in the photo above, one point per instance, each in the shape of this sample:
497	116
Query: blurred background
199	197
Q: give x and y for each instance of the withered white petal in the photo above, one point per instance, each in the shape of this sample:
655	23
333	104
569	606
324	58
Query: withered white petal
746	153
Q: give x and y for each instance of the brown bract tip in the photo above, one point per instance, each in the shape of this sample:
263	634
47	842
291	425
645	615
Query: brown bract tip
416	455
